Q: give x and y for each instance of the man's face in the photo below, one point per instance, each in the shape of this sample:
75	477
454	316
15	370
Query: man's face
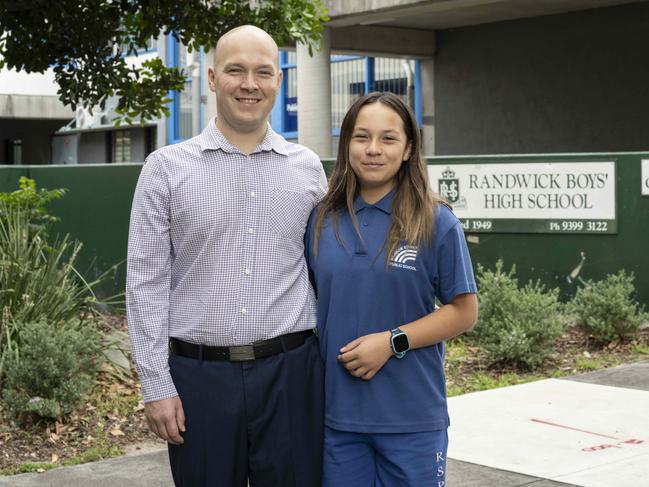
246	80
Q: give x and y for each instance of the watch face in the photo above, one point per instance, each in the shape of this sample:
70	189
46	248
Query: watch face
400	343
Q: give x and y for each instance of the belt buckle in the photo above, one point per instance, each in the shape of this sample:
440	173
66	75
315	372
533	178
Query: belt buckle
242	353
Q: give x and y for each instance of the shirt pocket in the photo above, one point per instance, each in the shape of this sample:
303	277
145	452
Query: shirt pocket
289	213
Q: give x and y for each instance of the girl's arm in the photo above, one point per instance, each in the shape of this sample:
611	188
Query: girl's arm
365	356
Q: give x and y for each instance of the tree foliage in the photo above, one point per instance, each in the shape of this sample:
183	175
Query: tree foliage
86	42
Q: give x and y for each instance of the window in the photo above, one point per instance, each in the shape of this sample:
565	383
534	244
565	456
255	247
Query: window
183	103
150	46
14	151
348	80
351	78
121	146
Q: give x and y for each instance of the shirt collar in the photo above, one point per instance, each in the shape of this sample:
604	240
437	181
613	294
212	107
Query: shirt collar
384	204
213	139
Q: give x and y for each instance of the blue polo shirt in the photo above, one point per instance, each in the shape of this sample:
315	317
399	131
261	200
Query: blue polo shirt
358	294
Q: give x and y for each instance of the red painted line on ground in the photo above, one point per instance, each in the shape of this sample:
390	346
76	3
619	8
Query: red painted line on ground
571	428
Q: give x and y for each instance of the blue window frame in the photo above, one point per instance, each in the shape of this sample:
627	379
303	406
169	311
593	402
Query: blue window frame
351	77
181	106
284	114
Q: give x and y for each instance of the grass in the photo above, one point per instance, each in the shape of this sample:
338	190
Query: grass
117	404
468	369
27	468
481	381
91	455
640	349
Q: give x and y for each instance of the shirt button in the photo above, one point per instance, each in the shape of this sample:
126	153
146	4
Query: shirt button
365	224
247	271
251	231
244	311
252	194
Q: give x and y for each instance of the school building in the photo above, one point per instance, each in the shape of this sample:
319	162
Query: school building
483	76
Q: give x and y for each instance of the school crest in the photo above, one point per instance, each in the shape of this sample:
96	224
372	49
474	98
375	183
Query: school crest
449	189
449	186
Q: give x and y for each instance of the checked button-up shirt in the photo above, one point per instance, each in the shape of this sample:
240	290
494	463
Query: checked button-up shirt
216	248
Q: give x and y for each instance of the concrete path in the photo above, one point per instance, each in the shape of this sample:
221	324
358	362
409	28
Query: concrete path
590	430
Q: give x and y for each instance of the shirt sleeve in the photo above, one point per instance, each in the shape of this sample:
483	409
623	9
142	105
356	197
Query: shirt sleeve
455	272
148	281
323	184
308	248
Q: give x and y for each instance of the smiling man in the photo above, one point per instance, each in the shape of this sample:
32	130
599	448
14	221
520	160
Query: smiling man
220	309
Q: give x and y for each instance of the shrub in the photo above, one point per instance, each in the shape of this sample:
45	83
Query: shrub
56	365
607	308
38	280
33	200
516	325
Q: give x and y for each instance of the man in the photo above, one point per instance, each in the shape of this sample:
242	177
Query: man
220	309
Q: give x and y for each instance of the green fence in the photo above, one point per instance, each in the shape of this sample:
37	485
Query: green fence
97	206
95	211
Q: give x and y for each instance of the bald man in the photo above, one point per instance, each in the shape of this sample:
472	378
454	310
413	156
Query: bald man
220	309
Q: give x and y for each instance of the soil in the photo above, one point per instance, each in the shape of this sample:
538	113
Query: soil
110	422
124	429
575	352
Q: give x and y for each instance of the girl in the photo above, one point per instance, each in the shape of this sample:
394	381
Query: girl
381	248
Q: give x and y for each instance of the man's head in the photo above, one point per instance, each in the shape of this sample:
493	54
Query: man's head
246	79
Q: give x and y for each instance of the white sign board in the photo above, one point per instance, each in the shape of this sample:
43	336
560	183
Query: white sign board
556	197
645	177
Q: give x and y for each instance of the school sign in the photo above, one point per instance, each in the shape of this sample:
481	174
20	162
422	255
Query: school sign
534	197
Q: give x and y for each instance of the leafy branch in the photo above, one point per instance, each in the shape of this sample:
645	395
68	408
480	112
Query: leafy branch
86	42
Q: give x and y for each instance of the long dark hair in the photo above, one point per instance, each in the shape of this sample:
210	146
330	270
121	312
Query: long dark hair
413	203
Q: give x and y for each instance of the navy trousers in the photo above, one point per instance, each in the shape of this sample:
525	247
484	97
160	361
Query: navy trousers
259	421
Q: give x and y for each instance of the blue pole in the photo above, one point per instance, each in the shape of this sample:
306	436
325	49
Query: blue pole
418	93
172	61
369	74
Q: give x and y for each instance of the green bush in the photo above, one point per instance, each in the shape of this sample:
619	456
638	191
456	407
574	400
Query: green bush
607	308
38	280
516	325
55	367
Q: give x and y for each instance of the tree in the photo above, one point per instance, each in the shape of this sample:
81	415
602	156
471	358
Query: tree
86	42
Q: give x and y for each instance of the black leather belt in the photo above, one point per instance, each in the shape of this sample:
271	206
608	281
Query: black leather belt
240	353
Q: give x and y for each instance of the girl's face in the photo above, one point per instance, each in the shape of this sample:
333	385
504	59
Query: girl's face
377	149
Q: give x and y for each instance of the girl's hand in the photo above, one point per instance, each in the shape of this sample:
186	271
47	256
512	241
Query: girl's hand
365	356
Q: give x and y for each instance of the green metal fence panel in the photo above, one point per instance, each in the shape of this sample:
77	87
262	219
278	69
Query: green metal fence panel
95	211
97	207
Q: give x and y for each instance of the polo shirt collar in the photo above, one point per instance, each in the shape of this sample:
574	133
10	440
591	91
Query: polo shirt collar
384	204
213	139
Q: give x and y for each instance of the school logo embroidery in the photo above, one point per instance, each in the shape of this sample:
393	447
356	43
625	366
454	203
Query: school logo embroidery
404	257
449	189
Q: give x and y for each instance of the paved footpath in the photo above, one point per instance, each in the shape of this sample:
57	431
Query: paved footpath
590	430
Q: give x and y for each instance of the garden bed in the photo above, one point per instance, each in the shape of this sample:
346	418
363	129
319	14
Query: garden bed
112	421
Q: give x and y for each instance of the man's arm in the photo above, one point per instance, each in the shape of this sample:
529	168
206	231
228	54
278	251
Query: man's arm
147	300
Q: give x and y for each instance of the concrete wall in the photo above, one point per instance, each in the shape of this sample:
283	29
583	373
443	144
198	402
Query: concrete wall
33	107
563	83
92	148
138	145
21	83
35	135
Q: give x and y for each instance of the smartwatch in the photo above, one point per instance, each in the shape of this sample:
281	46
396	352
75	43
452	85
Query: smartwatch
399	342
